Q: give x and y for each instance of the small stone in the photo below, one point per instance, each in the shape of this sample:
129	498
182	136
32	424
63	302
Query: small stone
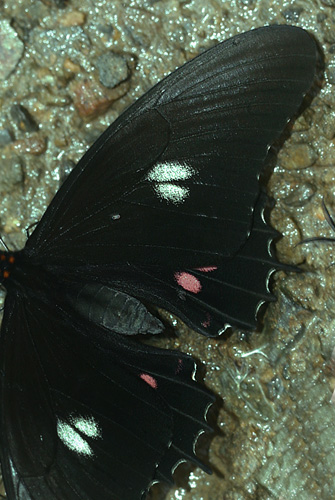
35	145
321	16
91	99
23	118
71	66
73	18
11	49
331	74
61	4
328	30
327	121
65	169
11	173
52	47
297	156
292	14
300	195
113	69
6	137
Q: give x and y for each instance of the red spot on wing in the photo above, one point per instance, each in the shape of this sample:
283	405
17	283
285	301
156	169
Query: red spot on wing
207	322
179	366
149	380
207	269
188	282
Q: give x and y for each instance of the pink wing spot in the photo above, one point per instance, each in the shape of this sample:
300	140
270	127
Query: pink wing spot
206	269
207	322
187	281
179	366
149	380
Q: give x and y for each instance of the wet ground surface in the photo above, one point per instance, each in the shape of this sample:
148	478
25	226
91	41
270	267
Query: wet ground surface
67	70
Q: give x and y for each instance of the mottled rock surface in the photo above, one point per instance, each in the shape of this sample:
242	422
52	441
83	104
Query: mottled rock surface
276	424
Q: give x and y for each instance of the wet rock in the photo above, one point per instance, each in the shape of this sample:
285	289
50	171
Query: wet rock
91	99
6	137
300	195
73	18
297	156
331	74
34	145
250	4
329	32
11	173
52	47
61	4
65	169
21	116
292	14
113	69
71	66
11	49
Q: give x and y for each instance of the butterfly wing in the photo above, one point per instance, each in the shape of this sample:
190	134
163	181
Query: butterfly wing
207	298
170	188
166	198
102	421
175	178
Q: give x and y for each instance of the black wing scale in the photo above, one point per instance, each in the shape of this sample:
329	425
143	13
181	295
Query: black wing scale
164	208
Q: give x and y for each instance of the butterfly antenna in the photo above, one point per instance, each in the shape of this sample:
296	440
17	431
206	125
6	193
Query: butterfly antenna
6	247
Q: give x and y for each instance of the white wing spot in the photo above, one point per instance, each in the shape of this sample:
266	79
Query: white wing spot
74	440
170	171
172	192
164	177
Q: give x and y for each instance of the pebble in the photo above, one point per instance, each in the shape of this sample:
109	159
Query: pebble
11	49
330	72
65	168
6	137
61	4
23	118
11	172
52	47
73	18
91	99
113	69
34	145
328	30
297	156
300	195
292	14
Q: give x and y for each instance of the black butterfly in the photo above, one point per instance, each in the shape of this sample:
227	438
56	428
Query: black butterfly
164	208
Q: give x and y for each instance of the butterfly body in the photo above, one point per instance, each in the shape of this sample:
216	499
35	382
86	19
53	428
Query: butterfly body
164	208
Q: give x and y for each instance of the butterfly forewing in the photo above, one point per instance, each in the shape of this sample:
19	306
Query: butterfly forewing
175	178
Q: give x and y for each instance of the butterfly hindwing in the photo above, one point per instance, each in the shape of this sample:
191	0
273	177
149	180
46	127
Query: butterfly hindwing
207	298
87	414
